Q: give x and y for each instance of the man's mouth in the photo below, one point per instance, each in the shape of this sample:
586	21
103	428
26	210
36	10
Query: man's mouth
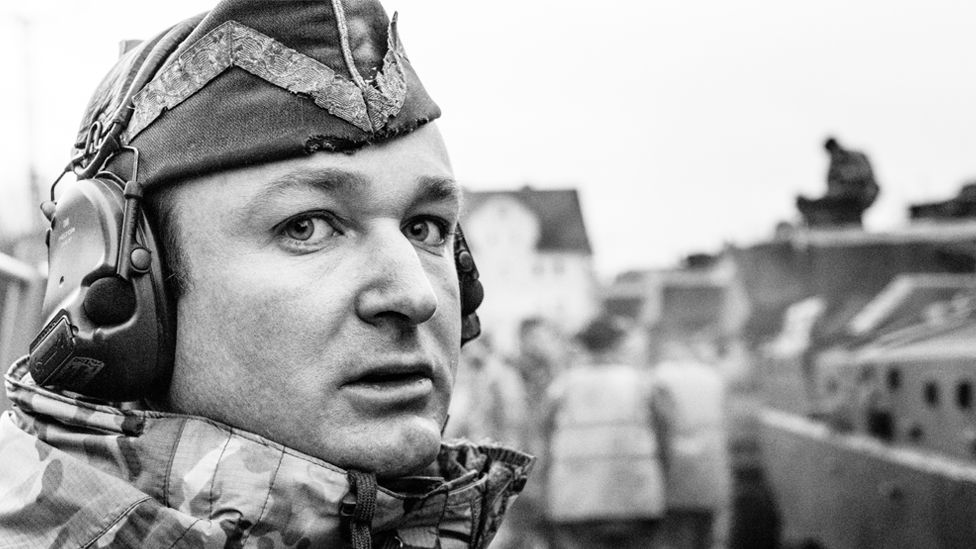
391	380
395	384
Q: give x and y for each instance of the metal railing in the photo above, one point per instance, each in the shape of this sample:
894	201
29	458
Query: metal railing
22	288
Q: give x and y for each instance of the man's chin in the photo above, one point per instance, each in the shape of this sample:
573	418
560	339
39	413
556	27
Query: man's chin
392	452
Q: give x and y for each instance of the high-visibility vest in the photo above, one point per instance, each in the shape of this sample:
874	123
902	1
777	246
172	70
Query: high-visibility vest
698	475
604	461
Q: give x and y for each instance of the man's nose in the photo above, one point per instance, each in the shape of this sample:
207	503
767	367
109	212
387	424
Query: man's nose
397	288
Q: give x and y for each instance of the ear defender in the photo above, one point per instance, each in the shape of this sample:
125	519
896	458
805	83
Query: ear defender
472	292
109	330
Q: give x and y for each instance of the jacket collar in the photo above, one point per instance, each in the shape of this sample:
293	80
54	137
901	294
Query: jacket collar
231	484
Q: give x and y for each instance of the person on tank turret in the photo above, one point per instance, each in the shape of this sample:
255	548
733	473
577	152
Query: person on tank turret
851	189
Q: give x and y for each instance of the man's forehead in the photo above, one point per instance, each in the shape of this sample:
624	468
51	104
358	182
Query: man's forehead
415	166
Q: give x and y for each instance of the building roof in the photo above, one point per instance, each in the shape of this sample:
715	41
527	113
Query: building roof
561	226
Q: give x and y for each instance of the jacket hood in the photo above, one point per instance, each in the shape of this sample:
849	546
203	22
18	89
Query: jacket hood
90	474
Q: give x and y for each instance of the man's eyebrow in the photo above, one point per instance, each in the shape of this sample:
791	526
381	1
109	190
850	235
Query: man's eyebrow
333	180
438	189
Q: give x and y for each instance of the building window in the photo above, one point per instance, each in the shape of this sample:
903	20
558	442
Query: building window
931	393
964	395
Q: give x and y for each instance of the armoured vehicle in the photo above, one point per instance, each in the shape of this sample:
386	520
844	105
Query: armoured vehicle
864	346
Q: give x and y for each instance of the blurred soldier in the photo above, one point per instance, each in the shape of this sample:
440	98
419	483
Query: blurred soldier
606	447
488	405
258	291
851	189
542	353
488	401
699	473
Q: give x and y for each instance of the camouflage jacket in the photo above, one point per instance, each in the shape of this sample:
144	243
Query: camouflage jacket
80	474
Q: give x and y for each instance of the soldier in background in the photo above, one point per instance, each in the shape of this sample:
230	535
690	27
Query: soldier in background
607	447
489	398
489	406
699	476
542	353
851	189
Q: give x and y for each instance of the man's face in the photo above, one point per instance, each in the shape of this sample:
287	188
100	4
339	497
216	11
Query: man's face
323	306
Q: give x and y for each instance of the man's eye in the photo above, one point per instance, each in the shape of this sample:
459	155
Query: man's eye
308	230
426	231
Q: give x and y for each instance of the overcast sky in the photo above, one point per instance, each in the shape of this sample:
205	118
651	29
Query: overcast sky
684	124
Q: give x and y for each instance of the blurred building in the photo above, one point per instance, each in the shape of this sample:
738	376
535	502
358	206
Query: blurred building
703	295
535	259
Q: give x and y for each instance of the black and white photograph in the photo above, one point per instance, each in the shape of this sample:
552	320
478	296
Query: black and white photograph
380	274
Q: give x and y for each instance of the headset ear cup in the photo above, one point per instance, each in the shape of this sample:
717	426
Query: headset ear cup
472	294
471	290
159	313
106	336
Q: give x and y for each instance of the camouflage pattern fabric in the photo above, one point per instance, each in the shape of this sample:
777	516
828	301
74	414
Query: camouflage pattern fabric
80	474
